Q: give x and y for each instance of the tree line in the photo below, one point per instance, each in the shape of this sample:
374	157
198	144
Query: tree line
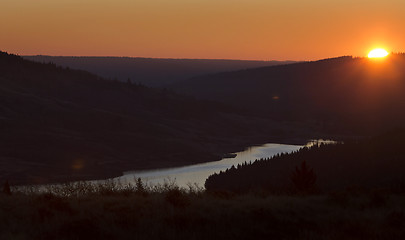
376	162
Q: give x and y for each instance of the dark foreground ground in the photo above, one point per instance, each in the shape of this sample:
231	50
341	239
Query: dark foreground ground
103	212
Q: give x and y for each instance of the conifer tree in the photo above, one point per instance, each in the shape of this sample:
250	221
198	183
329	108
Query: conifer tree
304	178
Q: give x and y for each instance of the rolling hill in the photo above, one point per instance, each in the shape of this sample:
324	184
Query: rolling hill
60	124
344	94
154	72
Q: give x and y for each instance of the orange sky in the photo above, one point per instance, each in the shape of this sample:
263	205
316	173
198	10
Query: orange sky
231	29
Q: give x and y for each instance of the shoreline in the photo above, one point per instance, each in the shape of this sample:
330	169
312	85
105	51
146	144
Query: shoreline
102	174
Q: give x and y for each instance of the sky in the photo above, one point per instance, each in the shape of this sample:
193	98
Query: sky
214	29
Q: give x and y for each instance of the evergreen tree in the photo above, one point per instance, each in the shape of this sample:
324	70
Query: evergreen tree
304	178
140	188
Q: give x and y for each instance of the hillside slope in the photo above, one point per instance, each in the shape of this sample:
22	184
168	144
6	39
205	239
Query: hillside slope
373	163
340	94
59	124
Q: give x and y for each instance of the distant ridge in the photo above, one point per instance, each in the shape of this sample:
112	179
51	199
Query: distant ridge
155	72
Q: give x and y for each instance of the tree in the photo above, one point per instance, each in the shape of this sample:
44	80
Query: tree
140	188
304	179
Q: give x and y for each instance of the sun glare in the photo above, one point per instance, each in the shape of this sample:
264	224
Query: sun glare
377	53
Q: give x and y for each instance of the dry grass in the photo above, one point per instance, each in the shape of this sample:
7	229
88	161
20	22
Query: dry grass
116	211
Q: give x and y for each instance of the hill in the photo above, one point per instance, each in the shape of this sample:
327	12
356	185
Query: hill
372	163
59	124
154	72
344	94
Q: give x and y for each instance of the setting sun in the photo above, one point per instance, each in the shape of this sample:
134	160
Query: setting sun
377	53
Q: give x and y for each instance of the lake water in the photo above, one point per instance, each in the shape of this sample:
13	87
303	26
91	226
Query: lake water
198	173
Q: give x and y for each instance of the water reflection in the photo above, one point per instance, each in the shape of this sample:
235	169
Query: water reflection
198	173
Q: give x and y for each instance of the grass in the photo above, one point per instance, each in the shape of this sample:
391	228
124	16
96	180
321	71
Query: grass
116	211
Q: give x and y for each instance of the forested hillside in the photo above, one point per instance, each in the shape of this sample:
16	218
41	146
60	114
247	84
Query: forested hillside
345	94
374	163
59	124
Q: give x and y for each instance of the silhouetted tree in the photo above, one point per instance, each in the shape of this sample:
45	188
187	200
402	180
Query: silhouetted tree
140	188
304	178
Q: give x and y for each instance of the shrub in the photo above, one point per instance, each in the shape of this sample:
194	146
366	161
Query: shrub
177	198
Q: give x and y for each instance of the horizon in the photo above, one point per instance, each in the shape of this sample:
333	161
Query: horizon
194	58
257	30
219	59
168	58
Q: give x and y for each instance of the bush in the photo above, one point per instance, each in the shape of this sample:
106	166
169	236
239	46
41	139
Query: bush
177	198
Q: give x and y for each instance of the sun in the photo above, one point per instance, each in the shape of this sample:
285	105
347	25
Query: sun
377	53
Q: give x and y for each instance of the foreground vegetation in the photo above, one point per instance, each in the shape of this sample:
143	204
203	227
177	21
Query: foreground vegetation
113	211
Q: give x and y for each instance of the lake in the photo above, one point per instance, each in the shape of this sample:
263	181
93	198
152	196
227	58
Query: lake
198	173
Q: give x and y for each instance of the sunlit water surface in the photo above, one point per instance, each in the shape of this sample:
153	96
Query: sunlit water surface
198	173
